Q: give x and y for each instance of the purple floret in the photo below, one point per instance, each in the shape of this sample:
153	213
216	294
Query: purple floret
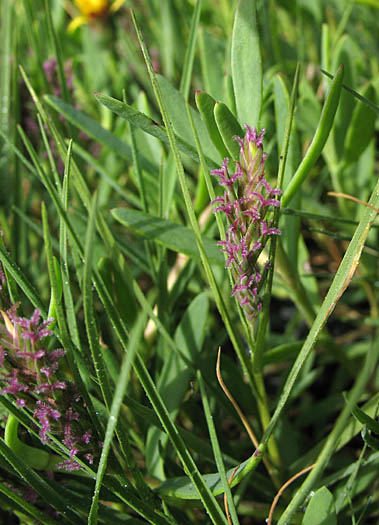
247	202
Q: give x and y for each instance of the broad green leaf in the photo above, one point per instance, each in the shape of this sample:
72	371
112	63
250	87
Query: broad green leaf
212	58
206	105
229	128
361	129
173	381
173	236
94	130
322	133
148	125
247	64
365	419
320	510
177	111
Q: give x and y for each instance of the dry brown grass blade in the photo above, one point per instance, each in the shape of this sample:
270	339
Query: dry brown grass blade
351	198
282	489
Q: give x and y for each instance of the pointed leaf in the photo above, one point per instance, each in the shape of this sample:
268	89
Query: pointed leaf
247	64
171	235
229	128
321	510
147	124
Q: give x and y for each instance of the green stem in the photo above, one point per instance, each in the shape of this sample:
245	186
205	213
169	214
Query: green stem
322	133
34	457
334	436
295	287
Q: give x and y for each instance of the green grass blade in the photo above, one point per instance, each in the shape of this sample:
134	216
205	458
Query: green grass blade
322	133
42	487
6	61
361	129
121	386
168	234
148	125
94	130
217	450
25	507
337	288
208	500
330	445
185	81
89	314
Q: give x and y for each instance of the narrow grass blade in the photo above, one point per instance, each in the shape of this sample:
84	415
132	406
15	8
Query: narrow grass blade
23	506
322	133
169	234
94	130
148	125
117	400
89	313
355	93
41	486
208	500
185	81
217	450
361	129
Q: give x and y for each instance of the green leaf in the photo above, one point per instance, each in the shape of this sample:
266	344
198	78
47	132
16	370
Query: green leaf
96	131
174	379
206	105
40	485
229	128
365	419
177	112
148	125
318	142
346	52
212	58
185	81
19	503
361	129
247	63
171	235
371	441
320	510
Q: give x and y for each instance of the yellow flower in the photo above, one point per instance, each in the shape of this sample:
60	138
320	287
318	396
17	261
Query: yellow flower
93	9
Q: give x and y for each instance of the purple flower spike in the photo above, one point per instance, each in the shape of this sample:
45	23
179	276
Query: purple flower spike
28	373
248	202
